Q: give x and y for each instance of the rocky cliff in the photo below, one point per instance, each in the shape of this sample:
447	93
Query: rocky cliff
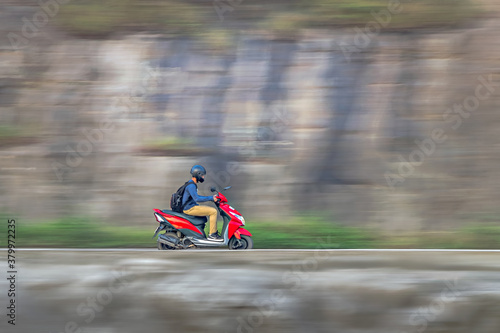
394	129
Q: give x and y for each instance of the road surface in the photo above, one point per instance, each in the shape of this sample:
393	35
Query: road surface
145	290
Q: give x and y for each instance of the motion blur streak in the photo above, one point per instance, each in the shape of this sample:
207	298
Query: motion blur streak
367	292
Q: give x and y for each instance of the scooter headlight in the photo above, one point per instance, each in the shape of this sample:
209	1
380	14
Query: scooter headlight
241	218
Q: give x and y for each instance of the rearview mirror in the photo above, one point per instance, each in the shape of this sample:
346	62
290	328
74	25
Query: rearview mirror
227	188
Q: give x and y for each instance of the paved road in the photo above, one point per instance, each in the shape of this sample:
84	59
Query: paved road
146	290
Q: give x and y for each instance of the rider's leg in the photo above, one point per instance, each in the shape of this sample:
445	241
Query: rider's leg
205	211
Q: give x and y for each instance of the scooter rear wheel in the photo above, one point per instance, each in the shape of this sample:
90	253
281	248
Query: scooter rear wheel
245	243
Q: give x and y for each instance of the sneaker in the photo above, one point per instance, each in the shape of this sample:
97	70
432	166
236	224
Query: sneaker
215	237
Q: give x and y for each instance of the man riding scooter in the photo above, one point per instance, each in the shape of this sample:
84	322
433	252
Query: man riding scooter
179	231
191	199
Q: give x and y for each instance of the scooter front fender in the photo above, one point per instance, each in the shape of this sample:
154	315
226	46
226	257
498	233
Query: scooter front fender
242	231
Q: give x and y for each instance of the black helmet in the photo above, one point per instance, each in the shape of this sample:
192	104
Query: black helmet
198	171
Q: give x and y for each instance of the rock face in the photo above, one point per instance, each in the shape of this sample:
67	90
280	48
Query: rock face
252	291
391	135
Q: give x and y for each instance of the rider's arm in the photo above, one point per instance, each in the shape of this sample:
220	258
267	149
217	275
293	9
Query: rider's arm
192	190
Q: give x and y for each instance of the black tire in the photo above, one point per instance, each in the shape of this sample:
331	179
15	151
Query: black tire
245	243
162	246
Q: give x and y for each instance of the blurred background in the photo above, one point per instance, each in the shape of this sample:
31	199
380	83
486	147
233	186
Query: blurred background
370	121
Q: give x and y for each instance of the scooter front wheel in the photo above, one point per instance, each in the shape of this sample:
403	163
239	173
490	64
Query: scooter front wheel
245	243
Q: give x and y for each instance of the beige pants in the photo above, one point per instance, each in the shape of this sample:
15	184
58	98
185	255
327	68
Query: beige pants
205	211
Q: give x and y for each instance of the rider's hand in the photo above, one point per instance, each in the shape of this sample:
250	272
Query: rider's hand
215	198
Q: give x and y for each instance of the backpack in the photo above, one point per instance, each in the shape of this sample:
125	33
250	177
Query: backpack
176	199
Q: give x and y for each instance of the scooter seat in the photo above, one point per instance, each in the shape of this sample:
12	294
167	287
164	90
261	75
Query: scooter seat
196	220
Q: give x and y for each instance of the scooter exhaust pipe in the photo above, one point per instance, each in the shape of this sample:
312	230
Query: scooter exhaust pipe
169	240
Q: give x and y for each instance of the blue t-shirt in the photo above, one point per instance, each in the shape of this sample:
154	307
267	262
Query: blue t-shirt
191	197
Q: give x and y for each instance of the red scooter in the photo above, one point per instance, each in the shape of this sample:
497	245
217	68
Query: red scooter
184	231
